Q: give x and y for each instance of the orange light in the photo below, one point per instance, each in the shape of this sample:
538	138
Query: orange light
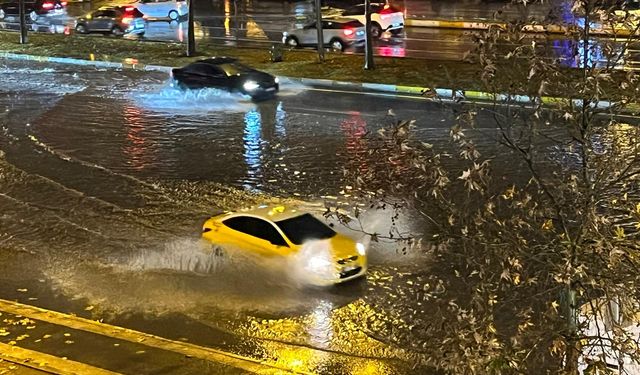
127	20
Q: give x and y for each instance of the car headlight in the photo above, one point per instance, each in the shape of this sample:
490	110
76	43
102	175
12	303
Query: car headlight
250	85
276	80
361	249
321	266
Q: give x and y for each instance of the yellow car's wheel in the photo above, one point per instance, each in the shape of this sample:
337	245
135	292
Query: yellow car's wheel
218	251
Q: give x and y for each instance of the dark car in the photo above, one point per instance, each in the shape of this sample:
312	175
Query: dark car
228	74
34	9
116	20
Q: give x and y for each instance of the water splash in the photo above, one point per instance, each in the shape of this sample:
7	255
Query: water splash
167	98
184	255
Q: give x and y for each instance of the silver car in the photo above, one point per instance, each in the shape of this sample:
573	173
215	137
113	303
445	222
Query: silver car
118	20
338	33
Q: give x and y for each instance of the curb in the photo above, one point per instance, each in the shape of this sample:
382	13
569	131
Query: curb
132	64
444	94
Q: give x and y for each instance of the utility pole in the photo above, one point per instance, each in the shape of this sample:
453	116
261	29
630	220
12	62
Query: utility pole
368	44
23	22
319	28
191	38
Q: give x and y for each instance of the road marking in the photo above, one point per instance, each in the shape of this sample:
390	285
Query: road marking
48	363
141	338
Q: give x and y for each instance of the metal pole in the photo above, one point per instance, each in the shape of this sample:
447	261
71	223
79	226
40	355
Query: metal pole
319	28
191	38
23	22
368	45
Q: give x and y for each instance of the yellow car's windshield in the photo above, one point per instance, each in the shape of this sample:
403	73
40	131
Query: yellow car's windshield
304	228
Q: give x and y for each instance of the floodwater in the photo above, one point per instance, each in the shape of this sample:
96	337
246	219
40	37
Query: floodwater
106	177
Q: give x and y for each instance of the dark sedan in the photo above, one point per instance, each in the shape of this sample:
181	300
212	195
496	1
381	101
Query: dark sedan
228	74
34	9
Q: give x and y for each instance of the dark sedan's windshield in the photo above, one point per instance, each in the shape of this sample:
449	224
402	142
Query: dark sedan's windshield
232	69
305	227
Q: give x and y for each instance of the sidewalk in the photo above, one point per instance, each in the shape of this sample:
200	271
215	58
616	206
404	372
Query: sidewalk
478	10
13	368
35	341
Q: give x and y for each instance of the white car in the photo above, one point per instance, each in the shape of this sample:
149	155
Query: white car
384	17
162	9
338	33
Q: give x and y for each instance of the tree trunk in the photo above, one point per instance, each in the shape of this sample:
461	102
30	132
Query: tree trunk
319	29
368	45
23	22
191	38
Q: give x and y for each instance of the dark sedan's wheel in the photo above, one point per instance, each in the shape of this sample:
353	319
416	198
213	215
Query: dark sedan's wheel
116	31
292	42
33	16
337	45
397	32
2	14
173	15
376	30
81	29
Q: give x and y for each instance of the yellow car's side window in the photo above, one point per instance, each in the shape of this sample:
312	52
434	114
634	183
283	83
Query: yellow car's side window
257	228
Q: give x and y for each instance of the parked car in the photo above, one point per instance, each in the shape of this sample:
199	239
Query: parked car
115	20
163	9
384	17
228	74
34	9
273	231
338	33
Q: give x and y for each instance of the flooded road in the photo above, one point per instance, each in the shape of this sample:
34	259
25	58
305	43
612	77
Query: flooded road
106	178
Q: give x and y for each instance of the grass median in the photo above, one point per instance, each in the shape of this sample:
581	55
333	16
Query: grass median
510	77
297	63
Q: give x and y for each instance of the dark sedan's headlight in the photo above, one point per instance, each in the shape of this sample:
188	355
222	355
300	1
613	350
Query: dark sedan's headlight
250	85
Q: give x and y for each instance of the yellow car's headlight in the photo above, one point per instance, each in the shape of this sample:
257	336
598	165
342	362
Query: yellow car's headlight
361	249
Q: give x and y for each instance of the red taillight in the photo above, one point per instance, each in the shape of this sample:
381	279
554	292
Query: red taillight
127	20
348	32
47	6
387	9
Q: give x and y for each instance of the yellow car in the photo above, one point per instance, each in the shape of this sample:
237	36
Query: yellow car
328	257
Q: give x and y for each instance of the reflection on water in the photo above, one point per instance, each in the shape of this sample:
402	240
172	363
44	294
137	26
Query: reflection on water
139	154
320	330
252	141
